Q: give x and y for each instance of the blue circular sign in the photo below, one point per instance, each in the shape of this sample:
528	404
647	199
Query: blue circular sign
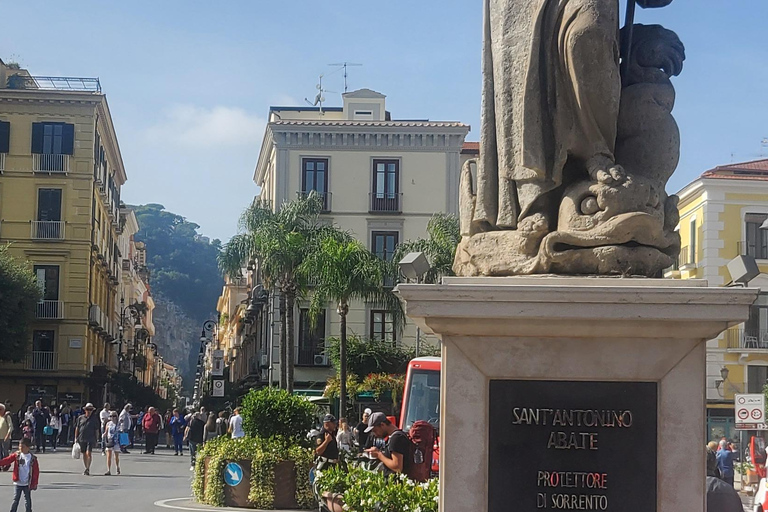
233	474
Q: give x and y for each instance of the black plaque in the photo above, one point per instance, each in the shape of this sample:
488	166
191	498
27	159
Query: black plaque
572	446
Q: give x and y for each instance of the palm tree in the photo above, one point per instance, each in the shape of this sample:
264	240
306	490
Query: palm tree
344	270
280	240
439	248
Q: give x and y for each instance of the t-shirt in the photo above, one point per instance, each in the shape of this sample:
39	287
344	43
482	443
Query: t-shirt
332	448
88	428
25	468
399	443
104	415
362	435
236	424
196	429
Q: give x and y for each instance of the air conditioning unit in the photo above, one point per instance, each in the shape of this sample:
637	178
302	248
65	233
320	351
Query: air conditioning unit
264	360
321	360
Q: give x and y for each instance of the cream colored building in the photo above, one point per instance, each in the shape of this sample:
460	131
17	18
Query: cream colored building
382	179
721	214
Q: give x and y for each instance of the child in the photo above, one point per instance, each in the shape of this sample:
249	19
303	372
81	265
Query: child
28	430
25	473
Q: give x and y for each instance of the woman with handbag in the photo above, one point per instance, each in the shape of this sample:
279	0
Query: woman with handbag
111	440
54	425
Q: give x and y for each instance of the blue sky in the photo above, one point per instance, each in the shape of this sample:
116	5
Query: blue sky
190	83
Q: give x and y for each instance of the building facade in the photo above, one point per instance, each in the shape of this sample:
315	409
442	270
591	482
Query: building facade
721	217
61	172
381	179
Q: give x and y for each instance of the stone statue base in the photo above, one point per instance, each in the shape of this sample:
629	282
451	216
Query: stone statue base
573	393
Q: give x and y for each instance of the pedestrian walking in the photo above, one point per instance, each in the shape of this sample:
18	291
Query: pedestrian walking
167	427
222	424
103	418
125	425
111	441
65	417
26	473
151	426
55	426
140	425
361	436
6	430
28	430
344	436
28	414
177	425
210	426
236	424
712	469
194	434
725	456
39	420
87	433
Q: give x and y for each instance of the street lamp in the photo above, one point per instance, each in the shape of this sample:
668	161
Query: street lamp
413	266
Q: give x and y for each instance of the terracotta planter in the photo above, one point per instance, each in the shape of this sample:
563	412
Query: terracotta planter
334	502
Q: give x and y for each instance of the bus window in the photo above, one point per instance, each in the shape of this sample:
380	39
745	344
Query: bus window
423	398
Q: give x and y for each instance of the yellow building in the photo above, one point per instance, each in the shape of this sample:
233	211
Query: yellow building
721	217
60	177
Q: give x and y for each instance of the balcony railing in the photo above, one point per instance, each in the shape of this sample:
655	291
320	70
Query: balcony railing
750	248
40	360
309	356
325	195
2	162
47	230
54	83
50	310
50	163
687	256
747	339
386	202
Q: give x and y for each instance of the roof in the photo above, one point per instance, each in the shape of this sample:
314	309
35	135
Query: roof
399	124
470	148
756	170
363	93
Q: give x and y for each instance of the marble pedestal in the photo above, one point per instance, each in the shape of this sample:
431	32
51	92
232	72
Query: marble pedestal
574	330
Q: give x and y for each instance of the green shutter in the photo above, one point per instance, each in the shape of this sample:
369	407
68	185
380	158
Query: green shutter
68	139
37	138
5	136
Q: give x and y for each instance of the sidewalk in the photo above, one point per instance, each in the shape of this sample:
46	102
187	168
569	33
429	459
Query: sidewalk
190	504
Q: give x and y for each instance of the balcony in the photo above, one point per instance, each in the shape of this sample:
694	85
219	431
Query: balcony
747	339
308	356
47	230
325	195
50	163
50	310
54	83
2	162
751	248
386	202
687	258
40	360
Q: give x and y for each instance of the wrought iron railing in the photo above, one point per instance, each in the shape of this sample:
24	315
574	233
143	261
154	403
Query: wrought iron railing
750	248
386	201
47	230
50	163
50	310
755	339
42	360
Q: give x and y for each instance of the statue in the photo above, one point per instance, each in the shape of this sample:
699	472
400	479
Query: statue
575	151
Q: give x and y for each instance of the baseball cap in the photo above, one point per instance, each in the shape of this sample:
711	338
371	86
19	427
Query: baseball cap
329	417
368	411
375	419
89	405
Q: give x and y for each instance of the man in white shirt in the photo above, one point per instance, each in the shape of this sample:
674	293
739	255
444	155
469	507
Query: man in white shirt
104	417
236	425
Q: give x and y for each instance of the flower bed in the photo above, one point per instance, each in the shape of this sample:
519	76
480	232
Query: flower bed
366	491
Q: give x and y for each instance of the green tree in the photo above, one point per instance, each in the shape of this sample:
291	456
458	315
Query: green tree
366	356
439	246
280	241
276	412
345	270
19	295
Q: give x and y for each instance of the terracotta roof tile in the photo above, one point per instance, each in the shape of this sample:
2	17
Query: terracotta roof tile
756	170
471	148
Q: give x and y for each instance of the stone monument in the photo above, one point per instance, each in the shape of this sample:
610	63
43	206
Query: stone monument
584	388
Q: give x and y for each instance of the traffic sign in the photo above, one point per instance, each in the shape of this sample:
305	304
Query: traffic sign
233	474
749	410
218	388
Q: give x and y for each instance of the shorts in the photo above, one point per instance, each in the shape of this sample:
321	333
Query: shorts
87	446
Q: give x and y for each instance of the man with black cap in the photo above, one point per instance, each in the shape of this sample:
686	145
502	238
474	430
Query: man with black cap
396	454
327	449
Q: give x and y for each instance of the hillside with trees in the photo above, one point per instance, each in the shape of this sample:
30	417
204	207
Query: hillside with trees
185	282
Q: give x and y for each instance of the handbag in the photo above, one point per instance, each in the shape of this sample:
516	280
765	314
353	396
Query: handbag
124	439
47	430
76	450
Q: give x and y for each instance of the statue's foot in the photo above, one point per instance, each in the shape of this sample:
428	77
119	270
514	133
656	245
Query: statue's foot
604	170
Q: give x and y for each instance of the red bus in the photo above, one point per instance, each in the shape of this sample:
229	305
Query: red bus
421	398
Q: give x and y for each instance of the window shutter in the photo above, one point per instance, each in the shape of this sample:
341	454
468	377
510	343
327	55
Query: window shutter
68	139
37	138
5	136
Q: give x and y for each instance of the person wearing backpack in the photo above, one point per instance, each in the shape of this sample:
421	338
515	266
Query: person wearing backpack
397	456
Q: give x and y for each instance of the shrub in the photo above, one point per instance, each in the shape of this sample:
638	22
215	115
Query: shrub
271	412
366	356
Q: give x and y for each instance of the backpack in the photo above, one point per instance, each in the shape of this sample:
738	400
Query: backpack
422	436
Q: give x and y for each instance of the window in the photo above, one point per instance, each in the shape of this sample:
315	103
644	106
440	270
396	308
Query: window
5	136
314	177
48	281
756	378
52	142
756	244
48	225
382	326
43	351
363	115
311	340
385	196
384	243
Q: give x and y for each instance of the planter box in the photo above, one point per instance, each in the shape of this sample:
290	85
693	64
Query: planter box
285	485
237	496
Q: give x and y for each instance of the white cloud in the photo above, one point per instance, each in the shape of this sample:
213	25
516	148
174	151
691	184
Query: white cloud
201	127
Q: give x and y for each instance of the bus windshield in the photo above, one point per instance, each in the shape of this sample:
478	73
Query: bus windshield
423	398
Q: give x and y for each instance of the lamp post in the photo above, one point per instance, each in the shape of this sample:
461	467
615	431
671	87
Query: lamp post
413	266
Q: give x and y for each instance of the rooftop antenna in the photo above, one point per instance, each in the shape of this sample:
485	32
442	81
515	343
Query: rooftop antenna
320	97
344	65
